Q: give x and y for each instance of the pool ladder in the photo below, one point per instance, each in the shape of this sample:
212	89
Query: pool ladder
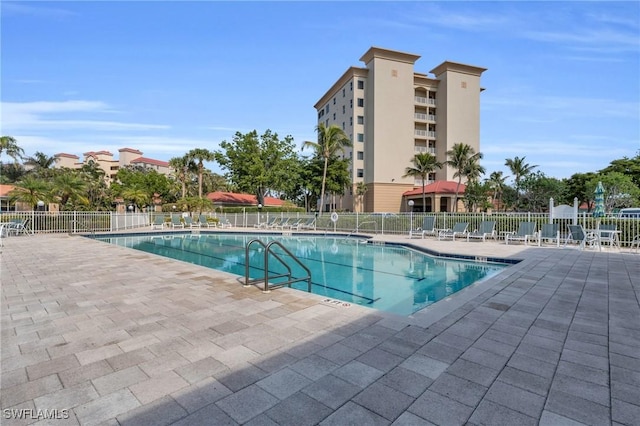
267	251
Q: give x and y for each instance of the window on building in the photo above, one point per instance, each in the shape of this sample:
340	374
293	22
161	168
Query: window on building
360	155
360	119
334	101
360	173
343	125
326	122
360	84
350	154
351	86
334	115
360	102
344	93
350	103
350	121
326	110
360	137
344	108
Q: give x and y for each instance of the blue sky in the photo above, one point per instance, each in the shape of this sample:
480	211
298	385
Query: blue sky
562	86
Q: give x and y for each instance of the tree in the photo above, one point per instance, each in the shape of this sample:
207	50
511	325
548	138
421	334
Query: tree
9	146
496	183
69	186
361	190
626	166
182	166
200	155
459	157
11	172
475	196
537	189
423	164
337	177
260	165
519	169
30	190
331	140
576	187
619	189
40	162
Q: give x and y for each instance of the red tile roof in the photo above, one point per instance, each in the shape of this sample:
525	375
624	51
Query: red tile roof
6	189
97	153
135	151
64	154
246	199
438	187
145	160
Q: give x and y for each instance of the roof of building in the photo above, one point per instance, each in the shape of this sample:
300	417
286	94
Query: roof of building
438	187
6	189
145	160
246	199
97	153
64	154
134	151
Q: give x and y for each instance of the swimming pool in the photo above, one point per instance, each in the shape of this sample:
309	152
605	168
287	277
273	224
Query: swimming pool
385	277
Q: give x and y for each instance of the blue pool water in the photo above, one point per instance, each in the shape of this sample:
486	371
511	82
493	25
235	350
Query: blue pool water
389	278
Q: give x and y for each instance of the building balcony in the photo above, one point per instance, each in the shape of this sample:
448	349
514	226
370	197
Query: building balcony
425	133
425	101
428	149
424	117
418	182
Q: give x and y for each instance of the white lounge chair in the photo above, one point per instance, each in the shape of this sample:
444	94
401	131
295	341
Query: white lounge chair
459	229
427	228
526	232
550	232
583	238
486	230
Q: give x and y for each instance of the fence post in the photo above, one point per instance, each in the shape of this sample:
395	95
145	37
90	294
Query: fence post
551	210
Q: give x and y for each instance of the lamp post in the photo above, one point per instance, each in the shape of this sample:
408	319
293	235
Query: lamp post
40	205
411	203
259	212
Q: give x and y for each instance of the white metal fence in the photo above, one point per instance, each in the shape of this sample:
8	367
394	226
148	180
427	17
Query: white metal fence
368	223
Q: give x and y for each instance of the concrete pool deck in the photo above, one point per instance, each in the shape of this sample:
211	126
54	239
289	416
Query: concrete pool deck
102	334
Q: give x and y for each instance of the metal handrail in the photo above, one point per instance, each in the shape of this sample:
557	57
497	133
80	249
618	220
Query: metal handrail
267	251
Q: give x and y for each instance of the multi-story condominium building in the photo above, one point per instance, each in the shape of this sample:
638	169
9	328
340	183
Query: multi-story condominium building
391	113
104	160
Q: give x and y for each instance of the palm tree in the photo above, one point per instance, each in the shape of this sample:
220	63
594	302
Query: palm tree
30	190
40	162
330	140
496	182
200	155
361	190
182	166
70	186
519	169
423	164
460	155
9	145
137	196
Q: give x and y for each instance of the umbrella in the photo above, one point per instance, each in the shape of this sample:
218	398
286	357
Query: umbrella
598	211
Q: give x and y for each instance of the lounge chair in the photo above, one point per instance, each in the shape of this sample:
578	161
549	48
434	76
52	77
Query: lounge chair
266	224
526	232
225	223
176	222
309	224
487	229
205	223
428	228
579	235
549	232
190	223
273	224
17	226
295	224
158	221
284	223
459	229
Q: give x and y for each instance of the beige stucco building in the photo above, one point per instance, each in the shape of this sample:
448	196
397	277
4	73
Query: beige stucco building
391	113
110	166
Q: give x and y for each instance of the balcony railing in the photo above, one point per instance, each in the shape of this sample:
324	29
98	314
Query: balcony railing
425	133
418	182
426	101
424	117
428	149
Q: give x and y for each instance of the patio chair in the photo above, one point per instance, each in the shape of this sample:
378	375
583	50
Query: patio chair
274	223
284	223
176	222
550	232
225	223
205	223
17	226
608	234
309	224
487	229
459	229
188	221
579	235
635	243
266	224
158	221
526	232
427	228
296	223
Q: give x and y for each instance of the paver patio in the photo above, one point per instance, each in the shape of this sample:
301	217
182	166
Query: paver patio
102	334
